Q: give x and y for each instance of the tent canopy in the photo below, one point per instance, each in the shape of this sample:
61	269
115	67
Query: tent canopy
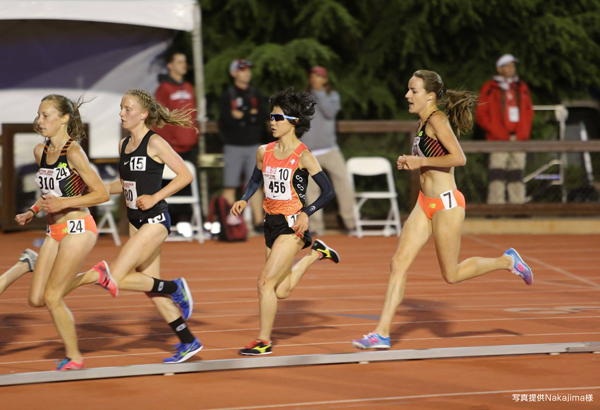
96	48
167	14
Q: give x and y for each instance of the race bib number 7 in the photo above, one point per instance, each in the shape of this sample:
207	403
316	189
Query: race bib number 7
277	183
448	200
130	192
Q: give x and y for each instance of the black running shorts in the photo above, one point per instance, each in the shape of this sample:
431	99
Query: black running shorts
164	219
276	225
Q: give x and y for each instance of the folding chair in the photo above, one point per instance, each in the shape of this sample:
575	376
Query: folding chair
193	200
369	167
106	210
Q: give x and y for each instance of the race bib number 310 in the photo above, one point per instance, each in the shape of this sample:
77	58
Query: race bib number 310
277	183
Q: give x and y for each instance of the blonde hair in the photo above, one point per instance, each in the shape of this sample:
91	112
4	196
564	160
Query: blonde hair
66	106
158	115
457	104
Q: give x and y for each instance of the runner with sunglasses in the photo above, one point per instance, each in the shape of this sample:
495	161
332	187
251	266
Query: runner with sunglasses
440	210
284	166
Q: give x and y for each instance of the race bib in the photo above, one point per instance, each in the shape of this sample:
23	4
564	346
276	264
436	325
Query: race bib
513	114
291	220
137	164
61	173
75	226
46	180
157	219
277	183
130	193
448	200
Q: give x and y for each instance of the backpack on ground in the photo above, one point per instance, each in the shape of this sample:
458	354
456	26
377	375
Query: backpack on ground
233	228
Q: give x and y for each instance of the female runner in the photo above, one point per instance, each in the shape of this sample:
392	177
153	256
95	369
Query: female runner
143	156
441	207
284	166
69	186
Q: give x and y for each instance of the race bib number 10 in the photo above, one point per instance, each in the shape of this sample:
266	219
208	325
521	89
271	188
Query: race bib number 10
277	184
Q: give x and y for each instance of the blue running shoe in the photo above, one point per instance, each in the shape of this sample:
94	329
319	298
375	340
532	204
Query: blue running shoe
372	341
185	351
183	297
520	268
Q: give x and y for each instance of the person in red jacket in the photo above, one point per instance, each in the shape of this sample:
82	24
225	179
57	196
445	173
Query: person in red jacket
175	93
505	112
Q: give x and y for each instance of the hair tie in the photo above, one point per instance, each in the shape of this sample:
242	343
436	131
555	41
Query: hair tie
444	90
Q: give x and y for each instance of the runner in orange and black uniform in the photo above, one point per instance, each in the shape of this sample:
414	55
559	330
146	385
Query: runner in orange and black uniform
441	208
284	167
64	175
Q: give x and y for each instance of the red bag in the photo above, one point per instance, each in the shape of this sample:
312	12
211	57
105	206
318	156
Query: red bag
233	228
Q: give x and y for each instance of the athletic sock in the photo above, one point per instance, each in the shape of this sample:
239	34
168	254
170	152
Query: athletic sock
166	287
182	331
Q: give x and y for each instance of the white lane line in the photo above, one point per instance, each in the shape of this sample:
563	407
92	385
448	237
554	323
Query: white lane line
539	262
333	326
345	342
413	397
237	313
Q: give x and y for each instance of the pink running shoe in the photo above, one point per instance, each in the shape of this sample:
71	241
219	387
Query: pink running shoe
106	280
68	364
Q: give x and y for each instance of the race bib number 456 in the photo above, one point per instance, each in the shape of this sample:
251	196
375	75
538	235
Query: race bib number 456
277	183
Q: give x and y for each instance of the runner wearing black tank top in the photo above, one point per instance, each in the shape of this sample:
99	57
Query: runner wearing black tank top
440	211
143	156
64	173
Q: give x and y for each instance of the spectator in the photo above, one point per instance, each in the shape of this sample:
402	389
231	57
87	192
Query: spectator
505	113
242	122
322	141
176	93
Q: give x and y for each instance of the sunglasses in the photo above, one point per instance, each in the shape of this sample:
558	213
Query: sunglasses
281	117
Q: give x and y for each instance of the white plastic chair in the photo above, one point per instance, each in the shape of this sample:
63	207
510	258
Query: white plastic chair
369	167
106	209
193	200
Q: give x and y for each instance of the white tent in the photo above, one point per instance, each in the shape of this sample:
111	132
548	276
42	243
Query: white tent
96	48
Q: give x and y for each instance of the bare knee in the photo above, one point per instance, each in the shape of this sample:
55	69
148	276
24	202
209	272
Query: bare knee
52	299
264	285
397	269
450	277
36	301
282	293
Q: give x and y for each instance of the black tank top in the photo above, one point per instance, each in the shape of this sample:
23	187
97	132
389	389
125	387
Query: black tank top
59	179
141	175
425	146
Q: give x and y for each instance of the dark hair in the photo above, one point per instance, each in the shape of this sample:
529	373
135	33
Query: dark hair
159	115
300	105
66	106
170	54
457	104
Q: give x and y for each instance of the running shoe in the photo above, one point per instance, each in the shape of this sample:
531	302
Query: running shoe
106	280
520	268
372	341
183	297
30	258
257	348
68	364
325	251
184	351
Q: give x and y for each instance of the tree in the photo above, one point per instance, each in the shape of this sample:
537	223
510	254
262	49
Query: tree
372	47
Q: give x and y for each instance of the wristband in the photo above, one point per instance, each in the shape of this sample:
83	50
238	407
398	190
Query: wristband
35	209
